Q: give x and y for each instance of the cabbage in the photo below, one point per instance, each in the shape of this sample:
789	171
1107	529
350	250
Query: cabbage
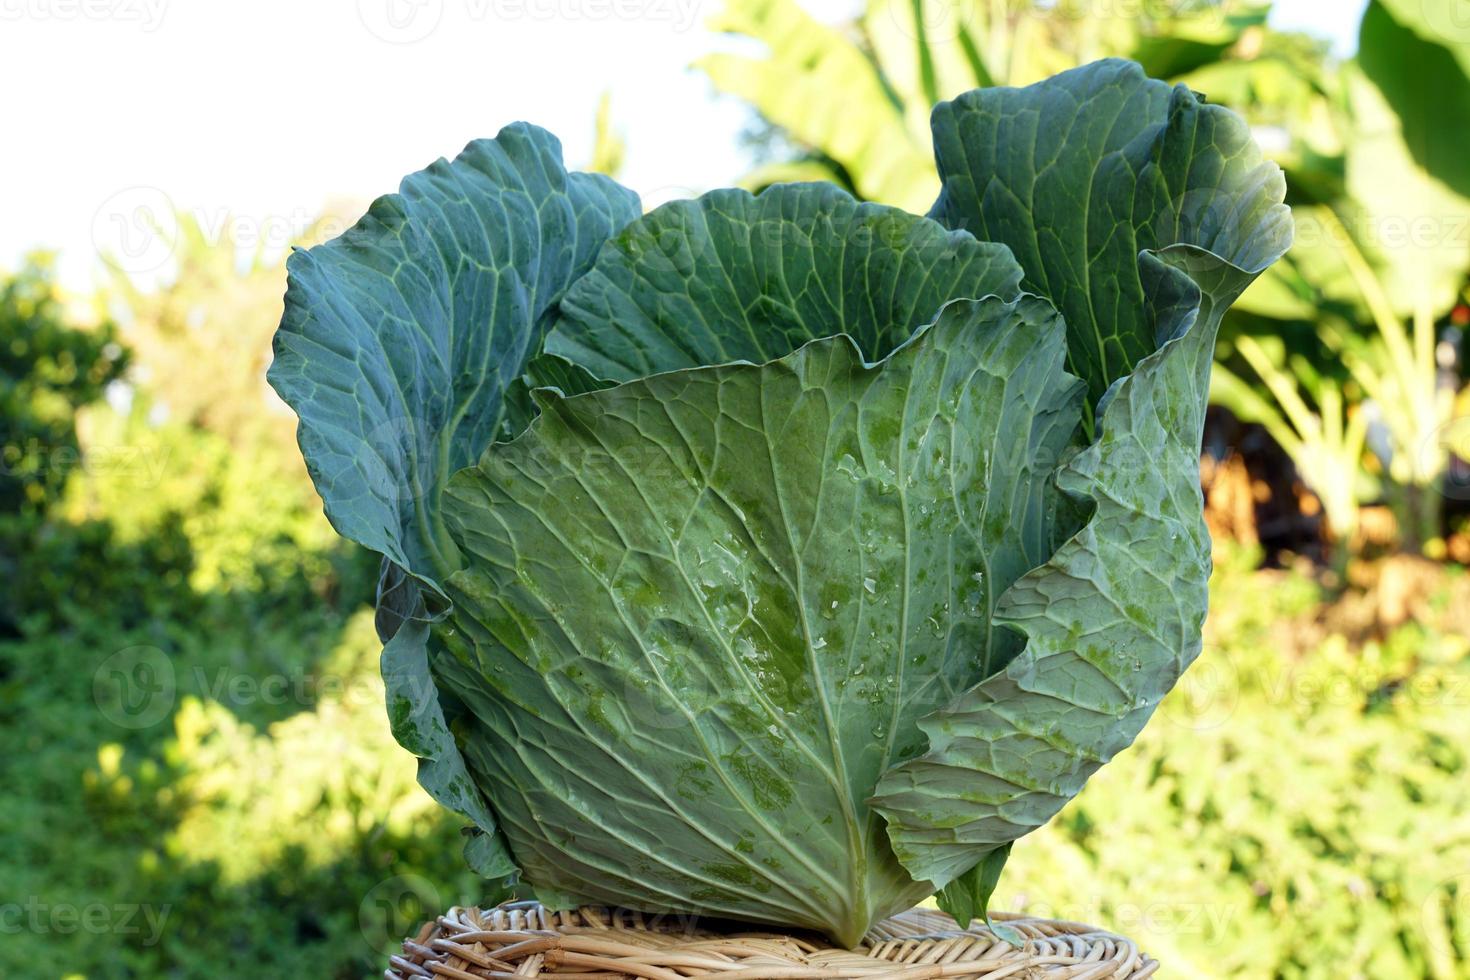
784	557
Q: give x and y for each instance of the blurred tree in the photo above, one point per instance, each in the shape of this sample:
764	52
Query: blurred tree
202	339
265	799
219	438
49	368
1381	259
1326	442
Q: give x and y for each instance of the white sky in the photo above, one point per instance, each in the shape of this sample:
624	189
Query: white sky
269	109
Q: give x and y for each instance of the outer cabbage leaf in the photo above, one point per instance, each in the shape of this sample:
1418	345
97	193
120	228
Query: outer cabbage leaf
703	610
401	336
417	717
735	277
399	342
1114	618
1080	173
967	897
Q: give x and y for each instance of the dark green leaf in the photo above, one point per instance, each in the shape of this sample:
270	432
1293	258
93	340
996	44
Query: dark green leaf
967	898
1114	618
401	336
735	277
1081	173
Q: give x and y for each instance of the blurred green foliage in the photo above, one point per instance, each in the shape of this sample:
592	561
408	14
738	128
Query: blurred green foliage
1299	808
203	780
1367	294
47	368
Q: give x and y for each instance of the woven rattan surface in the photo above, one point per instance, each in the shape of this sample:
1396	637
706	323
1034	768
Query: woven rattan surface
523	939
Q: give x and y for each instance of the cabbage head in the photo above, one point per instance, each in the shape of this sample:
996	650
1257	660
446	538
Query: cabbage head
783	557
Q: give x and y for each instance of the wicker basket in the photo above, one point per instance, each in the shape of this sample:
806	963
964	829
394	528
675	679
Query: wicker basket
523	939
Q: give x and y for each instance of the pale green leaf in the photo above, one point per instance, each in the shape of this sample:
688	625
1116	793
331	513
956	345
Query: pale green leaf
417	718
967	897
703	610
1445	23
